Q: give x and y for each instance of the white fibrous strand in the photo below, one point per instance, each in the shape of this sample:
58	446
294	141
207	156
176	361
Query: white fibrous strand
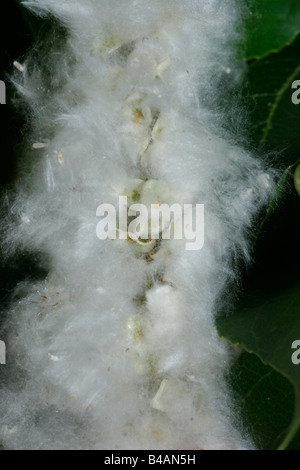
117	347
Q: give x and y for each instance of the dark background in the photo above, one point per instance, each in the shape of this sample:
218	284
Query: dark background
15	39
18	32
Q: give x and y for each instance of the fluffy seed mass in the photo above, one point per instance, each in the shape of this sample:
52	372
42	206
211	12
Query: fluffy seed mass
117	348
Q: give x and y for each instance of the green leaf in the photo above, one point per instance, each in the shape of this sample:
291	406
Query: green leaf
264	398
275	119
267	323
270	25
279	193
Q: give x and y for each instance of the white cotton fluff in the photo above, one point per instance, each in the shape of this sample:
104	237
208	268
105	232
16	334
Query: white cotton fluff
117	347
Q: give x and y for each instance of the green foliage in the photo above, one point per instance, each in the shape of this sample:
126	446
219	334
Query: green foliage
279	193
266	320
265	399
267	324
276	120
270	25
